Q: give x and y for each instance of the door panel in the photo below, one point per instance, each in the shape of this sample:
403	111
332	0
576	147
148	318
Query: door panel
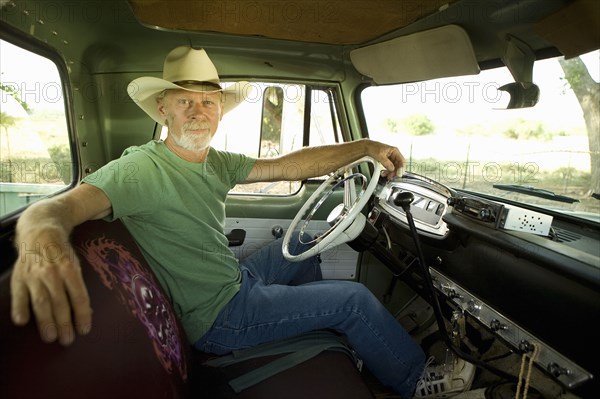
336	263
258	215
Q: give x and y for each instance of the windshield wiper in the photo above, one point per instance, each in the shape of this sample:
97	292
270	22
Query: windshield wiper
536	192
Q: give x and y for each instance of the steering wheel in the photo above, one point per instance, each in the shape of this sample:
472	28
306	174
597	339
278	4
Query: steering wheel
346	219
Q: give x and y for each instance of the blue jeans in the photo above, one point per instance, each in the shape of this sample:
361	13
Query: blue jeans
280	299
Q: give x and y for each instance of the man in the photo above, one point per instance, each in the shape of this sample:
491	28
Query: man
174	208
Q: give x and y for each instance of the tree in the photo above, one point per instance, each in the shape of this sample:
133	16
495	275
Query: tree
419	125
587	92
11	90
8	120
391	125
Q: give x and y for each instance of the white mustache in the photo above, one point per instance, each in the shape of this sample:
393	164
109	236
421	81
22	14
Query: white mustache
193	125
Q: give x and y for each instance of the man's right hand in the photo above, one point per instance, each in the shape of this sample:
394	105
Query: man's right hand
46	277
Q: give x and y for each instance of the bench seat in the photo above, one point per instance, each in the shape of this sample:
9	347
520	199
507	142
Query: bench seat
137	348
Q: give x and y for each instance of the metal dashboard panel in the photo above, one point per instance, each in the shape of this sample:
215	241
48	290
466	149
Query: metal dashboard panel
563	369
428	207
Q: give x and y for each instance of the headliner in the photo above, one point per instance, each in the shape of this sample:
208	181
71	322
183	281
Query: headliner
316	21
571	27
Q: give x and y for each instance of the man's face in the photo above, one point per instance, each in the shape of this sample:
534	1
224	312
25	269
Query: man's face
192	117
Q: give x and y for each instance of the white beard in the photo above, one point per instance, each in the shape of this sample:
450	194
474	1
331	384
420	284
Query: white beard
192	141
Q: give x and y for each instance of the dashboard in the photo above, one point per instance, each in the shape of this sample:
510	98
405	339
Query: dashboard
429	206
504	266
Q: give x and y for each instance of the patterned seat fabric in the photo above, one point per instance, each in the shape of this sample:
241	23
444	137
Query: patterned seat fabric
137	347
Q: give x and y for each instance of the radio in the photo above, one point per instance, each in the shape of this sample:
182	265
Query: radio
501	216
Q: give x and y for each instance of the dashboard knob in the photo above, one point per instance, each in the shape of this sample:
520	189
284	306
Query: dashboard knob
485	214
557	370
277	231
404	199
496	325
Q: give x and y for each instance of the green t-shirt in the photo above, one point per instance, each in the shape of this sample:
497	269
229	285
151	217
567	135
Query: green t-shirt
175	210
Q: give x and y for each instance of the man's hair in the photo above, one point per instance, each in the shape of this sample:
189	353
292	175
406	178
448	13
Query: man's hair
161	96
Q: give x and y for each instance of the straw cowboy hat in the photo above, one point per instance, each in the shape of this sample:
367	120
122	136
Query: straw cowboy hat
188	69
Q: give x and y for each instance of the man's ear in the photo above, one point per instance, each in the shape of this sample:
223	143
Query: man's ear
161	110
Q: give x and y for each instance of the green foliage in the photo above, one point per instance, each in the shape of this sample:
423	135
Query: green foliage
6	120
391	125
15	93
575	72
24	170
525	130
419	125
571	175
39	170
61	156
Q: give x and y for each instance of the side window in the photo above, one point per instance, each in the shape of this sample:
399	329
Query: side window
271	123
35	153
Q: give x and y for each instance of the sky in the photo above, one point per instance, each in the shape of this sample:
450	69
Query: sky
36	77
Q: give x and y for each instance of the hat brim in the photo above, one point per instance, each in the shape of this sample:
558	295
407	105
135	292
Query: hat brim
143	92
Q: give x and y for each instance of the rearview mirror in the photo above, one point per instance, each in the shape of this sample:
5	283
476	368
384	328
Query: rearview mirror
522	95
519	59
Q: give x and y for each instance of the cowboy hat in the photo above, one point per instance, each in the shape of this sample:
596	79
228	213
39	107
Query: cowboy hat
188	69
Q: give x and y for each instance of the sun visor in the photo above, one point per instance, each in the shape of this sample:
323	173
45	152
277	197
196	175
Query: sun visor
575	29
436	53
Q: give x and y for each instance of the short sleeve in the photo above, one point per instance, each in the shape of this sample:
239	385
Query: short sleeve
129	184
233	167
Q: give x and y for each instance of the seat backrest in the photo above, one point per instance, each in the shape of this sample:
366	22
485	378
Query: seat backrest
136	348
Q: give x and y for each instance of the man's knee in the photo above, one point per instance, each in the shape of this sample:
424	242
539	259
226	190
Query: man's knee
357	293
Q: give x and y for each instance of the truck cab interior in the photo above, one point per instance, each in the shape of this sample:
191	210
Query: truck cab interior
486	247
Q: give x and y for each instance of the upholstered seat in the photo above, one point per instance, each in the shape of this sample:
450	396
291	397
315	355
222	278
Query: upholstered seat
137	347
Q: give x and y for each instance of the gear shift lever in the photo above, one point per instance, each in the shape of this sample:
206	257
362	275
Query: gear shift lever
404	199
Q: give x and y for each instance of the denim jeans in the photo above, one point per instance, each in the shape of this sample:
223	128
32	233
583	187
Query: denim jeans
279	299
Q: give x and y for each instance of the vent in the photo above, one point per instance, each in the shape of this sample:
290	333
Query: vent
565	235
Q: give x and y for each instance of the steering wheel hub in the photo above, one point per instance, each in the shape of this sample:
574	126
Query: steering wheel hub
346	219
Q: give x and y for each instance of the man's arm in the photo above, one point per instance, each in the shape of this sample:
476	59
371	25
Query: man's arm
47	275
317	161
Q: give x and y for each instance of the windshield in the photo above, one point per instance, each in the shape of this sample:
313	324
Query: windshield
458	132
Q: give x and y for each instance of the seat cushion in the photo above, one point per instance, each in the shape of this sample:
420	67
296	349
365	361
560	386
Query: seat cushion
135	349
